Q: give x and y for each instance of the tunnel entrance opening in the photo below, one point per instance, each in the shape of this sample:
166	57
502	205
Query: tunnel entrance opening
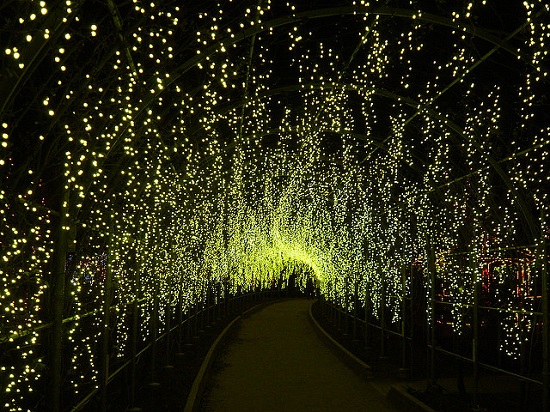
294	268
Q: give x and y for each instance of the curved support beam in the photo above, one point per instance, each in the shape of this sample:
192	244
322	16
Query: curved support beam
466	72
324	13
31	56
255	30
299	129
457	130
453	127
117	20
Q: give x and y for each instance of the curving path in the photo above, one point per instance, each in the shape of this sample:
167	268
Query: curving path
277	362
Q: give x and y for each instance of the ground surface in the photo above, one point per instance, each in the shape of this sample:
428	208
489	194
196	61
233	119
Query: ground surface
275	361
497	393
184	355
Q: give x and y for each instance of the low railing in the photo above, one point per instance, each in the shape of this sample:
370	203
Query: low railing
360	330
190	323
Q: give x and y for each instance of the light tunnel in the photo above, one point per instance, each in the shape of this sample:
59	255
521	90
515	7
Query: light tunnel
156	154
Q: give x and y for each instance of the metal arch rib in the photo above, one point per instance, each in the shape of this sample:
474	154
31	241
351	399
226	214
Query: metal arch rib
323	13
457	130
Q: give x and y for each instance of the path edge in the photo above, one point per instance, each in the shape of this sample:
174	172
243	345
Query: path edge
398	394
400	397
349	358
200	380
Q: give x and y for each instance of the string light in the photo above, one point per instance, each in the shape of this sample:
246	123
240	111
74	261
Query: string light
256	141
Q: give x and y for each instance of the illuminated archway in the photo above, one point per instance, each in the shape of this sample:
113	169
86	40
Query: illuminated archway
151	149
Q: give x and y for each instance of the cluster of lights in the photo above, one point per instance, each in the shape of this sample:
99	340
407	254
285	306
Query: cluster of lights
240	147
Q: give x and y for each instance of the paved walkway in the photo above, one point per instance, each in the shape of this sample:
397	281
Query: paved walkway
277	362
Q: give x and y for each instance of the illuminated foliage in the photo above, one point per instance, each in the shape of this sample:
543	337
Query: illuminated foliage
182	146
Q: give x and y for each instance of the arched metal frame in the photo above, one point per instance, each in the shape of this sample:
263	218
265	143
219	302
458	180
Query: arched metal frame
10	88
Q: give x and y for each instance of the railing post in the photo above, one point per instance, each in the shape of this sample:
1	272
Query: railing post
168	310
355	301
154	326
226	300
215	303
545	318
134	337
208	298
196	316
203	299
337	308
188	326
412	319
335	311
475	321
367	315
346	305
431	316
383	317
180	317
237	305
218	301
58	301
330	312
404	317
104	368
168	332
